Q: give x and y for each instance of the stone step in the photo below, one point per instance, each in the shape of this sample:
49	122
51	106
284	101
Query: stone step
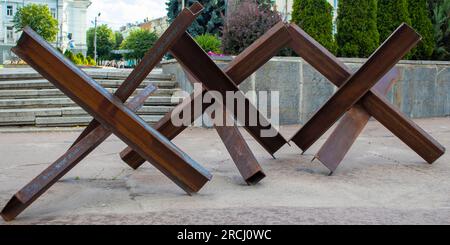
80	121
17	121
21	117
56	93
145	110
66	102
44	84
72	111
10	74
123	76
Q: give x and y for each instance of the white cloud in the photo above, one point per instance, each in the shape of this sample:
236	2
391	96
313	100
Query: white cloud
117	13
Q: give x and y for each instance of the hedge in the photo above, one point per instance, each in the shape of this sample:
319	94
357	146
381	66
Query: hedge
419	13
357	28
391	14
315	17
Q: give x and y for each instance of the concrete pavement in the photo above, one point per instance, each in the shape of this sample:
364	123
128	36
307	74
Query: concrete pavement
381	181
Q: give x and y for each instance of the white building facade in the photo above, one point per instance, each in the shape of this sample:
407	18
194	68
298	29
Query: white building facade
72	24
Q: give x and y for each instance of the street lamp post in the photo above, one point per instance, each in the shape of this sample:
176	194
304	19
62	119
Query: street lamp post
95	37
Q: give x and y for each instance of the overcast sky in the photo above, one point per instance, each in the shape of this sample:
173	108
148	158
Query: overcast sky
117	13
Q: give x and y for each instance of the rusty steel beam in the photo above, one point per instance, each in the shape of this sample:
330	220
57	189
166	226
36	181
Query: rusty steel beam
259	53
393	49
350	127
412	135
152	58
335	71
241	154
111	112
237	147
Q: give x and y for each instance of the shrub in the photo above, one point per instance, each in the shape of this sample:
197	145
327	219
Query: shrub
69	55
91	61
419	13
82	59
209	43
77	59
245	25
316	18
357	33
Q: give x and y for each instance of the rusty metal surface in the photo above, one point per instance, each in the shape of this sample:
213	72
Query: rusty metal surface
111	112
237	147
355	100
350	127
394	48
175	164
238	70
410	133
241	154
327	64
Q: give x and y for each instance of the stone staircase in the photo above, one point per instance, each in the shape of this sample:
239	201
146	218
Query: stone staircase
26	99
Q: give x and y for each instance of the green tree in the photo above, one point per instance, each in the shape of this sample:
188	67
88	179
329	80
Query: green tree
391	14
357	33
139	42
418	10
39	18
105	42
316	18
117	45
210	20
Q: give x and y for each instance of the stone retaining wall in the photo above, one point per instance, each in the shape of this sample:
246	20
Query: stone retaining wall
423	91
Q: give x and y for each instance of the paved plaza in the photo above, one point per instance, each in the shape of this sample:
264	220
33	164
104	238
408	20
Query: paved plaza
381	181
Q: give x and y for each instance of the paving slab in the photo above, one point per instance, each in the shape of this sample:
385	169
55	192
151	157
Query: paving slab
381	181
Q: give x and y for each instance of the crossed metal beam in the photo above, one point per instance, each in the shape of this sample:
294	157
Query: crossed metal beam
100	128
378	70
365	103
245	64
355	100
205	71
111	115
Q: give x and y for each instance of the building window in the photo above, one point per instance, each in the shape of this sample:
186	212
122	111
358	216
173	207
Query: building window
9	10
53	10
10	33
